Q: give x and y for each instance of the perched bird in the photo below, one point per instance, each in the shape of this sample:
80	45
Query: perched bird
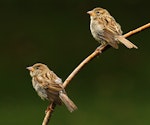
106	30
49	86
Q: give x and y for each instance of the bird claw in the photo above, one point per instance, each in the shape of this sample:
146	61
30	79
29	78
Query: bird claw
99	49
48	109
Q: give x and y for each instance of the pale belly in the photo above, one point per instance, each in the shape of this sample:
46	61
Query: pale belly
96	30
40	90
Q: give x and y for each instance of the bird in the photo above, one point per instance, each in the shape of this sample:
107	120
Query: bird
106	30
49	86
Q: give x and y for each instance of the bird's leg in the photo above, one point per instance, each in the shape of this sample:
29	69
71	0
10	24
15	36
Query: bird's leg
101	47
49	108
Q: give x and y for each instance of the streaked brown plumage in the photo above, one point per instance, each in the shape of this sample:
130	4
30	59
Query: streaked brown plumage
49	86
106	30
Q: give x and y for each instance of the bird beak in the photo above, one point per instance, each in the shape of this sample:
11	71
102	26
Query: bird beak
90	13
30	68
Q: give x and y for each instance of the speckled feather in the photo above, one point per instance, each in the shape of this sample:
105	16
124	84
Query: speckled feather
48	81
49	86
106	30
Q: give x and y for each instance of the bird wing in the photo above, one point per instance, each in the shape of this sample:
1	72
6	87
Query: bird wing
111	29
52	86
111	25
53	90
109	38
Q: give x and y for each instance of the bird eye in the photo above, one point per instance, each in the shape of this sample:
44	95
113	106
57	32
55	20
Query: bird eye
97	12
37	67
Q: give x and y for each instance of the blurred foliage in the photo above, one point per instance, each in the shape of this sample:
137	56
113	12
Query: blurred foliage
112	89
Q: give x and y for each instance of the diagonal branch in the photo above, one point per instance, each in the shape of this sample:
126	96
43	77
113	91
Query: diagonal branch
82	64
137	30
48	114
98	51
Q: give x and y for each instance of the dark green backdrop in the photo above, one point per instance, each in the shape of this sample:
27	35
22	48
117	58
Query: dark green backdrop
113	89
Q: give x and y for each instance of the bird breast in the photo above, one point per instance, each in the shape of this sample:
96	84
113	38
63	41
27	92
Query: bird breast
96	29
39	89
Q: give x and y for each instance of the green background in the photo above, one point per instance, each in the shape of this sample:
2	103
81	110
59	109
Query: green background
113	89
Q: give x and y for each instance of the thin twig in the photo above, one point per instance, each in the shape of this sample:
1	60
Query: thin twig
49	113
137	30
82	64
98	51
95	53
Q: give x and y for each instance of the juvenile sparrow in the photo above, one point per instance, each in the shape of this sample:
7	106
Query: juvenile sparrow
106	30
49	86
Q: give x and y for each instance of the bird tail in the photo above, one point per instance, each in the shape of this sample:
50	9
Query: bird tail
126	42
67	101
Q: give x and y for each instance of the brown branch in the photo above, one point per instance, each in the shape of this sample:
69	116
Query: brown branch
98	51
137	30
49	112
82	64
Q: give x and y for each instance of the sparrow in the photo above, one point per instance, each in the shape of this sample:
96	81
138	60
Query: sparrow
106	30
49	86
